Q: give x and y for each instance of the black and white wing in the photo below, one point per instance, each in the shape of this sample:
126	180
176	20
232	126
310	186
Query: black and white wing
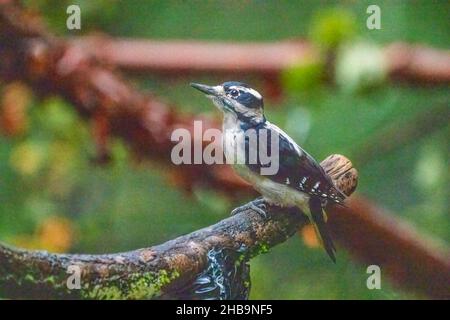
296	167
300	171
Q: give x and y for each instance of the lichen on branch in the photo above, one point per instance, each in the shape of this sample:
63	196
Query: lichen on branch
164	270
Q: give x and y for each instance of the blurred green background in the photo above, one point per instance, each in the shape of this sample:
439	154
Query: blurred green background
52	195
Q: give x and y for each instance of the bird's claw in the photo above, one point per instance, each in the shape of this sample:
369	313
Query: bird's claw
258	205
260	209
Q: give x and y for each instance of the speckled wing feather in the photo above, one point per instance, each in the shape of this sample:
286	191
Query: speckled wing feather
296	167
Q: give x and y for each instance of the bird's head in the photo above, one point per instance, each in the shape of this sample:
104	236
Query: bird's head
236	98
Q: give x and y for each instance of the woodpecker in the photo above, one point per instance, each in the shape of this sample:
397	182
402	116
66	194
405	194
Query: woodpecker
299	181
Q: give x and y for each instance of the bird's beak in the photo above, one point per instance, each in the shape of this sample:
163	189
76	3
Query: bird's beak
210	91
216	94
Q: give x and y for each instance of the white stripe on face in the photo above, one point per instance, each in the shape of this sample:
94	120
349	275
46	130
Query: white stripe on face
253	92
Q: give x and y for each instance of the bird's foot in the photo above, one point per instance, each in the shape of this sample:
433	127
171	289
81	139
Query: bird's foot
260	209
258	205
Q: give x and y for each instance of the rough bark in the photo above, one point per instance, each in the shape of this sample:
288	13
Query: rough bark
29	53
158	270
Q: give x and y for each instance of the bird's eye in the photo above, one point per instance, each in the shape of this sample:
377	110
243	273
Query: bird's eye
234	93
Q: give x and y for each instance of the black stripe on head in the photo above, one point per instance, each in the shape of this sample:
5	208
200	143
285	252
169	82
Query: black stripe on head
226	85
249	100
243	94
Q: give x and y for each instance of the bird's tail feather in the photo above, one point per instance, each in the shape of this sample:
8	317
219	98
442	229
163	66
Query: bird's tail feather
319	223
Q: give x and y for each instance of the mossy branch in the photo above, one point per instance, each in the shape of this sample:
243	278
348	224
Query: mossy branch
162	269
30	53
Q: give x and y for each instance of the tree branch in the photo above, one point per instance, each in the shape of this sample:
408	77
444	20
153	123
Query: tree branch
405	62
409	260
50	66
29	53
159	270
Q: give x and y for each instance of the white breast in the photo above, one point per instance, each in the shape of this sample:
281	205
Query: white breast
277	193
233	140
